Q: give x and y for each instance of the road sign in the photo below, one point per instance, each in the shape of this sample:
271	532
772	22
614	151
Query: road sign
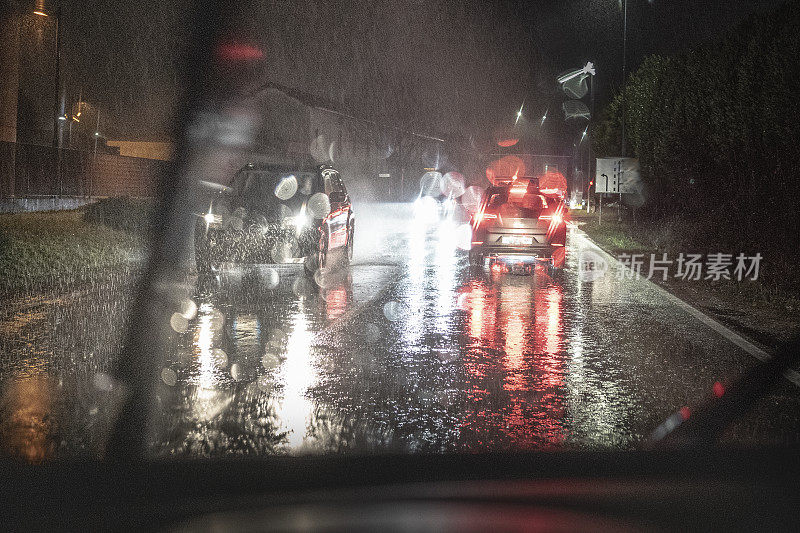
617	175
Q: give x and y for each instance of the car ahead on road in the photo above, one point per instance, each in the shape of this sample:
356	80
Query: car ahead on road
277	214
518	225
439	197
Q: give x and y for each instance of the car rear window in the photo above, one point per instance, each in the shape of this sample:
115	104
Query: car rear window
512	206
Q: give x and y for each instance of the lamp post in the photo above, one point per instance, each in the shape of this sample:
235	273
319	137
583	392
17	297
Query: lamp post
39	10
624	67
588	70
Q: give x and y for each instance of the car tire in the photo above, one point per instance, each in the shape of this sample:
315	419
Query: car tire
350	246
202	251
311	264
323	254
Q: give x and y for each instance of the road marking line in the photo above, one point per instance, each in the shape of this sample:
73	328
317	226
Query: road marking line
740	341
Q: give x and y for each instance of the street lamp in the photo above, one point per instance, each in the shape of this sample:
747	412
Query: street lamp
577	76
38	8
519	113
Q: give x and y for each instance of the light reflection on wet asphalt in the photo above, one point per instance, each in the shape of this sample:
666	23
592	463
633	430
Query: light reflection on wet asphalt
406	352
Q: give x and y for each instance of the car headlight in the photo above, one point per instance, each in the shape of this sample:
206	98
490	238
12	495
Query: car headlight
299	221
212	219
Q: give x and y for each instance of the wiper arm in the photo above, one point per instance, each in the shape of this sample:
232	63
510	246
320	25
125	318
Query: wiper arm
148	333
704	425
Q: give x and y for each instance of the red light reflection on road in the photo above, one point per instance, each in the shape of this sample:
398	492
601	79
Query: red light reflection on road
335	302
515	368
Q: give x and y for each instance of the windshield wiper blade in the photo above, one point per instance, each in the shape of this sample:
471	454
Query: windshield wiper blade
166	274
704	425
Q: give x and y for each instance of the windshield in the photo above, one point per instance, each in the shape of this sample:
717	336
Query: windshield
292	228
273	194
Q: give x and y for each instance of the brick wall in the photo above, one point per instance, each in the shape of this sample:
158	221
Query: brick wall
30	171
118	175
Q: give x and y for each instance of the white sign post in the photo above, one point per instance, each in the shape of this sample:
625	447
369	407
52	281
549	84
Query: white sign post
617	175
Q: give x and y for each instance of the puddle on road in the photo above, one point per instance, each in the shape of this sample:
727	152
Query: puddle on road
243	370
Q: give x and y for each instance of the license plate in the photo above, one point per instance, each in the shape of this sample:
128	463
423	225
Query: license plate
521	268
517	240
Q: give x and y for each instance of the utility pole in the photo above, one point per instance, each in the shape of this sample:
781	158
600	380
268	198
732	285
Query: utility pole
72	119
58	104
94	156
624	66
624	101
589	148
96	132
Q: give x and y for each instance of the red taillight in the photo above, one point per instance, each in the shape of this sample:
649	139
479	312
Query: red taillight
555	219
499	268
480	217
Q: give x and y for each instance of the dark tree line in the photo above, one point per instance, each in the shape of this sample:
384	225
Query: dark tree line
717	134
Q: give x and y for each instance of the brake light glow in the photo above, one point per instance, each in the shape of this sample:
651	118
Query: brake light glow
480	217
499	268
556	218
557	192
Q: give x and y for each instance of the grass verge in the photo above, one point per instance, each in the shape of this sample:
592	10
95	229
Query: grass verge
766	309
65	249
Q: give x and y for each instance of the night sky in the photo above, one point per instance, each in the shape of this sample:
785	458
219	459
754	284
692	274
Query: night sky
446	67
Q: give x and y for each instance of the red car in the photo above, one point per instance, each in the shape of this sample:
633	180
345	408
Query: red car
518	225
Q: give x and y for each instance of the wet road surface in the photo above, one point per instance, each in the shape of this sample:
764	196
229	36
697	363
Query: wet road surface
406	351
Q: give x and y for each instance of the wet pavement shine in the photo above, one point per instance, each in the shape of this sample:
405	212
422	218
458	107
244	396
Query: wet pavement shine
406	351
